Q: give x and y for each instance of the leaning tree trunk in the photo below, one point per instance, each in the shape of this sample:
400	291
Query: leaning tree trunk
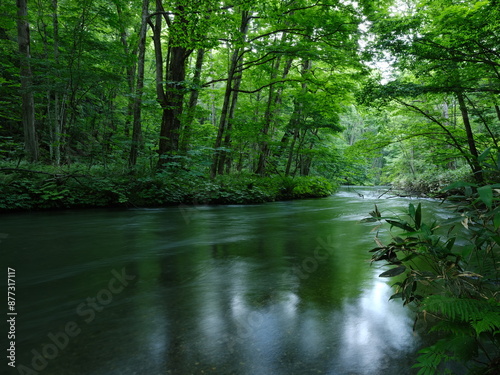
28	101
475	166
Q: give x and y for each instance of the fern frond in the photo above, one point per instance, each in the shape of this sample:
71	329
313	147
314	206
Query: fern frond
453	327
490	322
459	348
430	359
459	309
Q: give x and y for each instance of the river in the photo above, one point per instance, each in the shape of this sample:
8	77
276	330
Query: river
279	288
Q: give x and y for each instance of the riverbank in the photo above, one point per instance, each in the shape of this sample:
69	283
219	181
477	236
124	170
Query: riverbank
23	189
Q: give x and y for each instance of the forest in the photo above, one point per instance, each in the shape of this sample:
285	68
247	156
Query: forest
246	97
113	103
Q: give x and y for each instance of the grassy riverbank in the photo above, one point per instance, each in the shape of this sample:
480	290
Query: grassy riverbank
33	188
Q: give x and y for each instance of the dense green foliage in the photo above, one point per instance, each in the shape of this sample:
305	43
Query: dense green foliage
23	189
451	276
252	87
202	89
441	97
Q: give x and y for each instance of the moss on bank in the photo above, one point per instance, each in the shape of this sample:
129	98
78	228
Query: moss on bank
23	189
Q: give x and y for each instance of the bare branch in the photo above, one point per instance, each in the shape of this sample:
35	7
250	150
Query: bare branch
268	85
206	84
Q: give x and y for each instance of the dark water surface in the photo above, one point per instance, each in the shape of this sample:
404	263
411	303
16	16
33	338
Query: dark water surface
270	289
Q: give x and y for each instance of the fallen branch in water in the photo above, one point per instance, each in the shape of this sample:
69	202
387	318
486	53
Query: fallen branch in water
381	195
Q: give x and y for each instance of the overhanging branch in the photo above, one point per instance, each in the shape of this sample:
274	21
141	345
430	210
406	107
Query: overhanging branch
269	85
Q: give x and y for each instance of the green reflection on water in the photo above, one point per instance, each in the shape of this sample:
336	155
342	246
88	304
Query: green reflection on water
277	288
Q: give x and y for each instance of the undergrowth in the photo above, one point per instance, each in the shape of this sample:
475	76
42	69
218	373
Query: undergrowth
454	287
50	188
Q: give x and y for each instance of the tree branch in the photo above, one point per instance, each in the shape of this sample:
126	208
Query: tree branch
206	84
268	85
291	31
441	125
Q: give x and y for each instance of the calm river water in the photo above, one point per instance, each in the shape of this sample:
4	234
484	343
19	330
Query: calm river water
271	289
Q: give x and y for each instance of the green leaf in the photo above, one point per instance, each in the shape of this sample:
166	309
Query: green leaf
400	224
399	240
397	295
376	213
486	195
449	244
409	257
393	272
458	184
496	220
484	155
411	210
496	239
418	216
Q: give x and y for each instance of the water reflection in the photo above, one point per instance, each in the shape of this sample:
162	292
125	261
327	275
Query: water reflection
374	332
282	288
237	328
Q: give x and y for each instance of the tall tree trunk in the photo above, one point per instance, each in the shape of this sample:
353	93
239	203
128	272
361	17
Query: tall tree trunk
224	117
57	119
129	68
475	166
172	106
264	144
193	101
170	96
291	152
137	106
306	160
274	99
296	119
28	101
225	158
160	91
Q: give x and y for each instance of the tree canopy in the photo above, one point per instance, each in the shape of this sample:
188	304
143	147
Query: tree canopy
263	87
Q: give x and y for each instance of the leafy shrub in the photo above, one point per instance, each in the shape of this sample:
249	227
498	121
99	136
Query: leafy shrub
458	286
312	187
22	189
